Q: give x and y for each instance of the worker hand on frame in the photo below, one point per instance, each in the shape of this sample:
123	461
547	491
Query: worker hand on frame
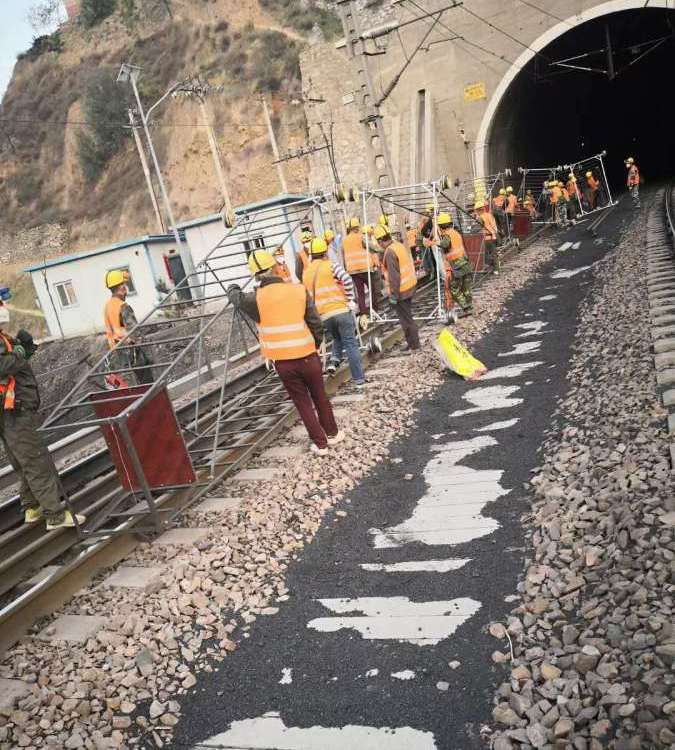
26	342
234	294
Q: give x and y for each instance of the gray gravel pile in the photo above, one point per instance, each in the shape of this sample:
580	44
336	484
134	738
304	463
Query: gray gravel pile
594	637
122	687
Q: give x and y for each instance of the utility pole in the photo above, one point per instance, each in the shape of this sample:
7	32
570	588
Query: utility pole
146	172
275	147
381	170
610	54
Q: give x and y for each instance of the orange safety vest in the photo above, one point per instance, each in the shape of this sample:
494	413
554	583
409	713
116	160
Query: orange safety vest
8	389
556	192
457	250
512	203
593	184
304	257
565	193
498	201
411	238
282	329
489	223
357	258
112	319
633	176
405	264
328	295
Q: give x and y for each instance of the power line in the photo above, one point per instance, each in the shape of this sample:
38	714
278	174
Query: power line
82	123
548	13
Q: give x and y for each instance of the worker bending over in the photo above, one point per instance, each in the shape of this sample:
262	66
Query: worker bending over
119	318
633	181
459	274
362	266
332	290
490	235
593	186
401	281
530	205
40	491
290	330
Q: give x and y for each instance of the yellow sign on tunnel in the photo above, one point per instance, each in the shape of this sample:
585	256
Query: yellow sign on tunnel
475	91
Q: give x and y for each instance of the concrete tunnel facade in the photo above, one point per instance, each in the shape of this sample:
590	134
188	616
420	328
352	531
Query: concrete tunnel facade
483	96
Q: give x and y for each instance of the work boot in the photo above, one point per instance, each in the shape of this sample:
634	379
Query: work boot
33	515
318	451
64	520
337	438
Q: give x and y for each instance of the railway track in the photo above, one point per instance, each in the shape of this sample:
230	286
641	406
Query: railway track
258	409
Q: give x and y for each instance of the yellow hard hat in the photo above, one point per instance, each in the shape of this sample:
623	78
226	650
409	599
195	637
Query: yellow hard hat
509	189
630	160
115	278
429	208
383	220
319	246
381	232
259	261
329	235
444	220
479	206
502	191
279	250
571	175
353	223
305	236
589	174
367	229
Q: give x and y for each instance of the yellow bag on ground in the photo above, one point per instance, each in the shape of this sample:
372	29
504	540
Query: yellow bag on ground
457	358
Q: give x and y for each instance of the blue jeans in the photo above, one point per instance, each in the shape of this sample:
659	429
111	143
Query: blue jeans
342	328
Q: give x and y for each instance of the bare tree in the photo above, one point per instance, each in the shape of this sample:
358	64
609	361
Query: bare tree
46	15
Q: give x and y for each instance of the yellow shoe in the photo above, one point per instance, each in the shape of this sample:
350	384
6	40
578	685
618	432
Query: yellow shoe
65	521
33	515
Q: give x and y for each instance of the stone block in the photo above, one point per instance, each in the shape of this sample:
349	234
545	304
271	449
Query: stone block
663	320
283	451
662	294
660	286
148	579
40	576
181	537
73	628
664	345
664	360
220	504
257	475
660	332
666	377
11	691
669	398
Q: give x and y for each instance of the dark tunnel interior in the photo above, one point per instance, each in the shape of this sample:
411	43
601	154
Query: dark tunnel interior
555	115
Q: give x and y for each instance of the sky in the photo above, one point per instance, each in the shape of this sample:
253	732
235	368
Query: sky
16	36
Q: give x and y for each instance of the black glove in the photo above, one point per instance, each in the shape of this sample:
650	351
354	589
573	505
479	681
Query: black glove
234	294
26	341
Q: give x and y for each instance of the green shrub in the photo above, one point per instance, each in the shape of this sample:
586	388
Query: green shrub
303	16
264	60
42	44
92	12
105	110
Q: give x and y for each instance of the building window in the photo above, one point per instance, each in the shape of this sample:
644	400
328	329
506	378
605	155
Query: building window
66	293
255	243
130	284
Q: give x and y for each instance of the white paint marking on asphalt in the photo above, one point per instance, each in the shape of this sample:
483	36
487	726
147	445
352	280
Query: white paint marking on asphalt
417	566
548	297
576	245
569	272
269	732
525	348
286	676
564	246
510	371
396	618
531	329
450	510
406	674
488	398
372	672
497	425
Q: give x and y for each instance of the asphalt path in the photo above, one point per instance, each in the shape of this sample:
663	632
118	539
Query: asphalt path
383	642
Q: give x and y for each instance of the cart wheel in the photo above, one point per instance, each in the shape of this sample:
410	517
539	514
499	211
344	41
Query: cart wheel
364	322
452	317
375	345
339	193
229	218
354	194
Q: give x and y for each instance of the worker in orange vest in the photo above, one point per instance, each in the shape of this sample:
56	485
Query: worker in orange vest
593	186
40	491
362	265
332	290
119	319
490	236
425	240
499	210
281	269
290	331
401	280
633	181
530	205
302	256
459	281
574	206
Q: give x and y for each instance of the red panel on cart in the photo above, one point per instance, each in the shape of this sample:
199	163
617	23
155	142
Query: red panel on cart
155	433
522	224
473	244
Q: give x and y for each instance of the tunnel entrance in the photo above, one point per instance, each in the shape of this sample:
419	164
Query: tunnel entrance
552	113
